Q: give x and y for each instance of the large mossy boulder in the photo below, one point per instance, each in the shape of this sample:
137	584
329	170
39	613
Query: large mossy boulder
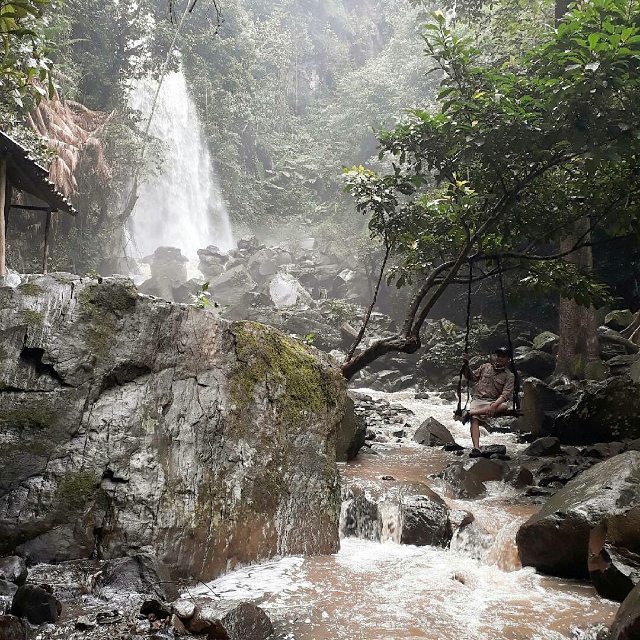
129	421
594	517
605	412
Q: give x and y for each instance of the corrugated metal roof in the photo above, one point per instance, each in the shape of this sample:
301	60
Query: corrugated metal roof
28	175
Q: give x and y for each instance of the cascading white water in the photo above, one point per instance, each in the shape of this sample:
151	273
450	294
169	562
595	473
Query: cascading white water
182	206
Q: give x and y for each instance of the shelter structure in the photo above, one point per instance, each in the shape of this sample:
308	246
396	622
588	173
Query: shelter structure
20	171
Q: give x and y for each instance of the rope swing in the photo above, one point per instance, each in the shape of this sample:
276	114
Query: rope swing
515	411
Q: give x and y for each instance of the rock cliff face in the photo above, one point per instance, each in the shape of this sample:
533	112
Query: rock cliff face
127	421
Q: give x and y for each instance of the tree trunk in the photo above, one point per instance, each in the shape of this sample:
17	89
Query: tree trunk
577	327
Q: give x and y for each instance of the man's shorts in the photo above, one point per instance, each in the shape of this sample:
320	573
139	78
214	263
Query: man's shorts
481	403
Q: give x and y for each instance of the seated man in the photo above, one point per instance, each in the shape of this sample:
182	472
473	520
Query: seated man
492	390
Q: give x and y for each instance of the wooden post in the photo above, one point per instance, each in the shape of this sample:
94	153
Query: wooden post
3	192
47	227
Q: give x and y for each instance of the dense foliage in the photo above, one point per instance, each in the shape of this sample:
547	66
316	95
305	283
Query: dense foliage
515	156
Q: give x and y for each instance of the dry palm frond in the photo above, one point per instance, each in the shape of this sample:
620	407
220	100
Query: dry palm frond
69	129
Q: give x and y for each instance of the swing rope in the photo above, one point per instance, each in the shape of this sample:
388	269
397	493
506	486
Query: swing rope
512	366
467	336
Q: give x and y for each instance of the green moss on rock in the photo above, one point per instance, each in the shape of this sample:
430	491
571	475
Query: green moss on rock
32	318
30	289
75	490
298	383
22	417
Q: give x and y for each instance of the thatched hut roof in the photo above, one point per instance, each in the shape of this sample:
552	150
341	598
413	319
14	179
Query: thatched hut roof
26	174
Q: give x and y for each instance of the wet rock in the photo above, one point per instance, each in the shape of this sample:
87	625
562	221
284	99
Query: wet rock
604	450
519	477
262	264
183	608
37	604
613	571
231	620
626	625
619	319
168	270
543	447
424	517
538	364
286	291
493	449
399	433
462	483
85	623
460	518
622	364
612	344
106	424
546	341
453	446
159	610
12	628
351	434
433	434
8	589
178	626
606	496
230	287
13	569
141	573
485	470
362	517
604	412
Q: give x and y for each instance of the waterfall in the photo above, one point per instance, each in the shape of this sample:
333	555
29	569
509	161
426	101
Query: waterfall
182	205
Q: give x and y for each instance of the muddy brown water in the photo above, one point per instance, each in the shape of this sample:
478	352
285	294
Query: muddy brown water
475	590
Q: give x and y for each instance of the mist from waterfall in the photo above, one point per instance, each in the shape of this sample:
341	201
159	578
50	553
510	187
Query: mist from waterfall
182	205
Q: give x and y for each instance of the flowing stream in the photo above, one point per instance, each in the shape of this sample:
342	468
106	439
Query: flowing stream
381	590
181	206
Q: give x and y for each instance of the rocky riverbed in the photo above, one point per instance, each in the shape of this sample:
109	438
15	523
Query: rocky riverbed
459	577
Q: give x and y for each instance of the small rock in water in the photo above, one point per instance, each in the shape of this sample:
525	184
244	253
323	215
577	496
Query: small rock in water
183	608
453	446
388	478
399	433
159	610
37	604
85	623
490	449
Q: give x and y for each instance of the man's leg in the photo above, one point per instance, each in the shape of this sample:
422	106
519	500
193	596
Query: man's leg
475	432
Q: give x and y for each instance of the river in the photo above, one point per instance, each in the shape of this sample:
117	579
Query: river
381	590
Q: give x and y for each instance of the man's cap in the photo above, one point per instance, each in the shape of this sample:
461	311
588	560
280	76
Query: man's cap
502	351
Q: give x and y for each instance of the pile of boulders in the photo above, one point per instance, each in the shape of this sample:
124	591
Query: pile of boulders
384	422
23	604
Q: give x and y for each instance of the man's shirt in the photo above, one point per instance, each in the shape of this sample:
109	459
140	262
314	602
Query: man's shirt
490	383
